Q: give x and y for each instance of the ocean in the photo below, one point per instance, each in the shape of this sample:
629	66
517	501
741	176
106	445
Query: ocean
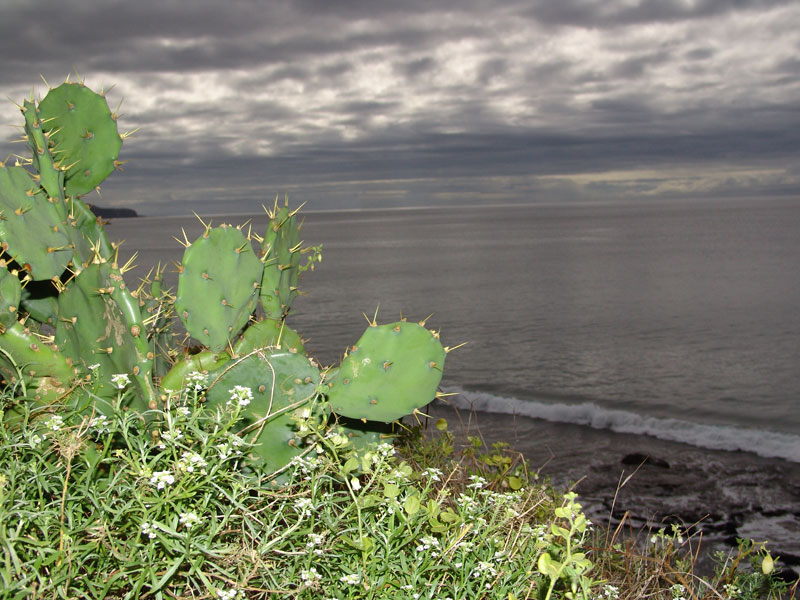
600	330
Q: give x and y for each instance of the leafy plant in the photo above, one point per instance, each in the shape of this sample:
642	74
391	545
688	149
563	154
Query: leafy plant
67	312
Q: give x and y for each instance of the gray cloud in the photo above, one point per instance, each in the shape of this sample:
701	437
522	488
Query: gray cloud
402	102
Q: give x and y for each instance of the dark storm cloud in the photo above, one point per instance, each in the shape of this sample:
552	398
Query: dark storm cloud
426	101
597	13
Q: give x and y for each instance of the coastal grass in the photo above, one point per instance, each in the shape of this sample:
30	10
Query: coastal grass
166	504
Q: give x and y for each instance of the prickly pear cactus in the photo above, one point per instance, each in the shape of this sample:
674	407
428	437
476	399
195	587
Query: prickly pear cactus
391	371
218	284
277	383
83	135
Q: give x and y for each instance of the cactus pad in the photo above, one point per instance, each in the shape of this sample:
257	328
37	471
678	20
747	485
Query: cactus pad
46	372
83	135
30	226
10	295
218	286
391	371
279	381
269	332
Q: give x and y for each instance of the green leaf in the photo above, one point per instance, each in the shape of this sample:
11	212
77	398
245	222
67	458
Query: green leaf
351	464
547	566
412	505
390	490
449	516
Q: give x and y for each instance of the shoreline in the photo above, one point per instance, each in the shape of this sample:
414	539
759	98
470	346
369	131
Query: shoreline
653	483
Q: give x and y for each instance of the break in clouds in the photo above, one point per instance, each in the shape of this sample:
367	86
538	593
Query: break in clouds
406	103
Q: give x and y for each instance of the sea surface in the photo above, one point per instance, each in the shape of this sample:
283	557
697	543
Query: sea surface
674	321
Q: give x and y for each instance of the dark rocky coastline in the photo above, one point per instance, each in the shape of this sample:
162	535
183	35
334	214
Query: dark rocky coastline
646	483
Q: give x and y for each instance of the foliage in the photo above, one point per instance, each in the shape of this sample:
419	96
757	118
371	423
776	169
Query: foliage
164	505
67	315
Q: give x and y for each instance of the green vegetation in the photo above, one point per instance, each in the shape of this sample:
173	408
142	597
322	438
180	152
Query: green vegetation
133	465
68	314
167	504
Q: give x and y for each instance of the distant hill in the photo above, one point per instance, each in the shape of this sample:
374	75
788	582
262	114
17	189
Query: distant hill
113	213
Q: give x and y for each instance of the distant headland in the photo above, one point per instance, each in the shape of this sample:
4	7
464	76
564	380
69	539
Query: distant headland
113	213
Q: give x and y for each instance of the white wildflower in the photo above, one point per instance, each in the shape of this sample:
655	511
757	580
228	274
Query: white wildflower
433	474
352	579
426	543
196	381
484	569
120	380
55	422
310	575
190	461
189	519
240	395
478	482
149	529
610	592
100	423
161	479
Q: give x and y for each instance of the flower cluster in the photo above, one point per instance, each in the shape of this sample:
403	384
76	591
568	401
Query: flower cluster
190	461
189	519
240	395
120	380
161	479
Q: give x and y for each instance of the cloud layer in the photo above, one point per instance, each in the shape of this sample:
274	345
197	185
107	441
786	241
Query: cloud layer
367	103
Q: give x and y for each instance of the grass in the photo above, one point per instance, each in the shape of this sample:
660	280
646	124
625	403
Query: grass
166	505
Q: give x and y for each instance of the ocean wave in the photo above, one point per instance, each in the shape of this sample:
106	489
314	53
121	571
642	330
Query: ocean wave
769	444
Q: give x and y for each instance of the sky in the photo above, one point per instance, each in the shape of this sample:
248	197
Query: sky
370	103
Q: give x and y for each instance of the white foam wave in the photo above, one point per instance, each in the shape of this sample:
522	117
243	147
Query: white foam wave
769	444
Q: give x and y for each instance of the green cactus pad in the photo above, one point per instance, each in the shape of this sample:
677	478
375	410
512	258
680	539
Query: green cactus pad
83	135
10	296
281	249
218	286
391	371
279	381
269	332
97	325
45	370
30	226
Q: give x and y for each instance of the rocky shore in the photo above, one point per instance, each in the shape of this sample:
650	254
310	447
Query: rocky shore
652	483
